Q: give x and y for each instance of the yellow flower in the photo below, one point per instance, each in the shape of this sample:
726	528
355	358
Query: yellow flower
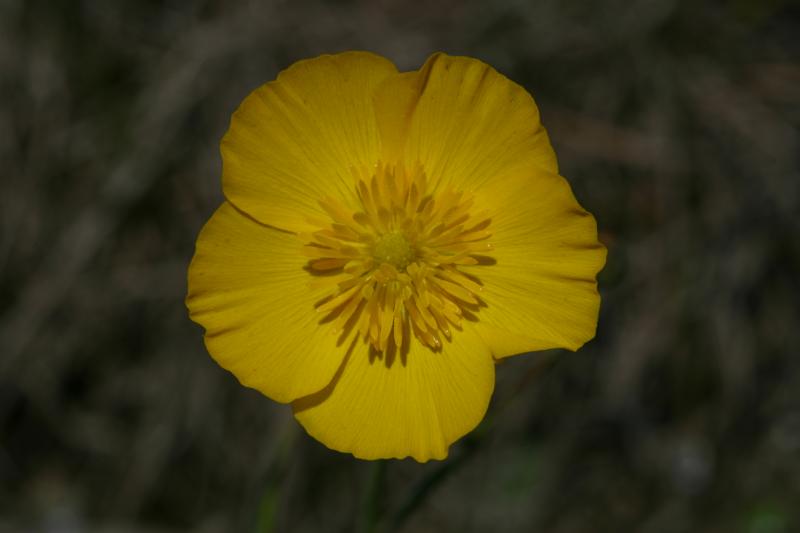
386	238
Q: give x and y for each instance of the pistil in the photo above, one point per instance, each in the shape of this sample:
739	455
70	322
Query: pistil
393	265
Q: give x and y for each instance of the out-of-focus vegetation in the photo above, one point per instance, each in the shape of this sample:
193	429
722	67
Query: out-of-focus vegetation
676	123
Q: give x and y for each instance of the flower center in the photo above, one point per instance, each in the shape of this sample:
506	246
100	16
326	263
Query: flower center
395	263
393	248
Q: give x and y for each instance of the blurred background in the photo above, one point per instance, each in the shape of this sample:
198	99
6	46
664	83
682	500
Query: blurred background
676	123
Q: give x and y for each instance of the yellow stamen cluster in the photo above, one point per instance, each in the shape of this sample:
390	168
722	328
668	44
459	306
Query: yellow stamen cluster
393	262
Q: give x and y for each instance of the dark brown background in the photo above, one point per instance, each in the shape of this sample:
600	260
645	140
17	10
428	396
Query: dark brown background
676	123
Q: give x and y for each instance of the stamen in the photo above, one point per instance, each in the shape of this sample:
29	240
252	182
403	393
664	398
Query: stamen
393	263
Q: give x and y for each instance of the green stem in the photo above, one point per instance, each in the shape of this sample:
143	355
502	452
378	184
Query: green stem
372	508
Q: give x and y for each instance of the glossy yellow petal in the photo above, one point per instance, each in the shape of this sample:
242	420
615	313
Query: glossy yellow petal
466	125
248	289
542	291
415	406
295	140
395	100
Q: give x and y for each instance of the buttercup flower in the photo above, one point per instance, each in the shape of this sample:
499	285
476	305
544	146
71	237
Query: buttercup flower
386	238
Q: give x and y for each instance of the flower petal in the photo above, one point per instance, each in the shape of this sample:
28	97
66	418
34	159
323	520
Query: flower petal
248	289
395	100
295	140
542	291
416	405
468	123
